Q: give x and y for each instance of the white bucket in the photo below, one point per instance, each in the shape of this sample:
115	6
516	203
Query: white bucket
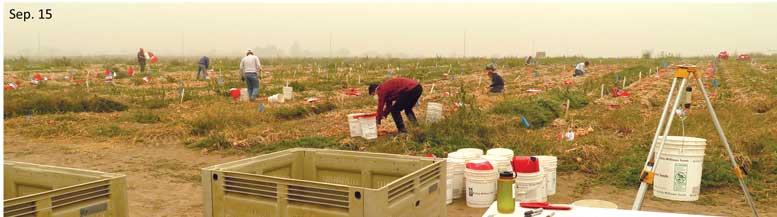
678	171
287	93
480	185
455	165
243	94
472	151
354	126
276	98
504	152
530	187
433	112
549	164
369	127
449	188
500	163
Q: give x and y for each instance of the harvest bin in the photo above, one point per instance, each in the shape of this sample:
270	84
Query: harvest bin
322	183
42	191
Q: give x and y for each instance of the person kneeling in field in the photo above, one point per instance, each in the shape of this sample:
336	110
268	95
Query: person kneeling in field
394	96
497	83
580	69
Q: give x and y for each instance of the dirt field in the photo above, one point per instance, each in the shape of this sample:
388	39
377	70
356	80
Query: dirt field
164	180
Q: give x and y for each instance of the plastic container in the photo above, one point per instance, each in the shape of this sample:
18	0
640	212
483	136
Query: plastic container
277	98
480	184
504	192
369	126
46	191
679	169
288	93
500	163
504	152
472	151
320	182
433	112
549	164
234	93
244	94
456	164
529	180
354	126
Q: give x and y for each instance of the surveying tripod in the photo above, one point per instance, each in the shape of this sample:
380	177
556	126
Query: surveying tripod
684	73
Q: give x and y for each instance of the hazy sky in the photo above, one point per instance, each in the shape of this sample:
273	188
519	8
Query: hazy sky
410	29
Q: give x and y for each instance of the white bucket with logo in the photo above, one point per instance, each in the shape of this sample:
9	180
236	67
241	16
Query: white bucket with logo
530	187
287	93
354	125
480	183
549	164
433	112
678	171
368	125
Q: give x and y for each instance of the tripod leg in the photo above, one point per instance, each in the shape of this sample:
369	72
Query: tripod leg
648	162
723	138
643	185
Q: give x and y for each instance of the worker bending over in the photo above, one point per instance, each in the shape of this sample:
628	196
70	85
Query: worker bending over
394	96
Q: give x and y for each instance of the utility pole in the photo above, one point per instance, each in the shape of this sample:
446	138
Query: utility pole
182	41
38	44
465	44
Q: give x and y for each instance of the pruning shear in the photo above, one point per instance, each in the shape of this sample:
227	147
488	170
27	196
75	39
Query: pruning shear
544	205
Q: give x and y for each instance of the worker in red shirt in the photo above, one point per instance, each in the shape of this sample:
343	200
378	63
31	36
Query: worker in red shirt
394	96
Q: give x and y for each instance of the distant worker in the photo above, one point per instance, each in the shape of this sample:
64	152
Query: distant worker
394	96
249	71
580	69
528	60
203	67
497	83
142	60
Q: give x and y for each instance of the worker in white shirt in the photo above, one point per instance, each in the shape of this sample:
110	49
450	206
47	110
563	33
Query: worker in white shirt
249	72
580	69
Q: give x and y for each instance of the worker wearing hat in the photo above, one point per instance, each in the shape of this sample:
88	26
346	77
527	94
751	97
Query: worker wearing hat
249	72
497	83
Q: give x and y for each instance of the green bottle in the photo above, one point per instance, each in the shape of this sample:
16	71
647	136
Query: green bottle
504	193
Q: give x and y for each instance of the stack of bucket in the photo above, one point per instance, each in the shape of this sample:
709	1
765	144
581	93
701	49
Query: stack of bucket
548	165
678	171
433	112
529	180
500	158
480	183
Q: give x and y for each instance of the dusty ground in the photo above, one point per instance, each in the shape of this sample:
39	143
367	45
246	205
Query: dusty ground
164	179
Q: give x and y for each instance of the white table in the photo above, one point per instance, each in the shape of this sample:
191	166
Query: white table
582	211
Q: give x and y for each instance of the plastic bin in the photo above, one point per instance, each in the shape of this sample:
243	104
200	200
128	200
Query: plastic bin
319	182
42	191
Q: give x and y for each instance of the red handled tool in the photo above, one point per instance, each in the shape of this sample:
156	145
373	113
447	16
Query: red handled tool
544	205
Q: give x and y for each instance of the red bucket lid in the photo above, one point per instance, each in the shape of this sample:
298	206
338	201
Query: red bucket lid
525	164
479	165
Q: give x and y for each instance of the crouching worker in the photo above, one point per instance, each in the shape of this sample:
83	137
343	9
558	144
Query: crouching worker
580	69
497	83
394	96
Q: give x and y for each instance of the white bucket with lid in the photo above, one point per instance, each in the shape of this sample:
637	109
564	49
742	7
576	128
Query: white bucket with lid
472	151
678	171
433	112
530	187
500	163
354	125
287	92
549	164
480	183
455	166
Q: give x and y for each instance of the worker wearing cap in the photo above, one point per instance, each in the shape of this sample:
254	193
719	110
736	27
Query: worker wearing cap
394	96
249	72
580	69
497	83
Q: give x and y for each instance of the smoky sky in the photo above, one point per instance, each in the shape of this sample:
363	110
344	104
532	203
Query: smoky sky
392	29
